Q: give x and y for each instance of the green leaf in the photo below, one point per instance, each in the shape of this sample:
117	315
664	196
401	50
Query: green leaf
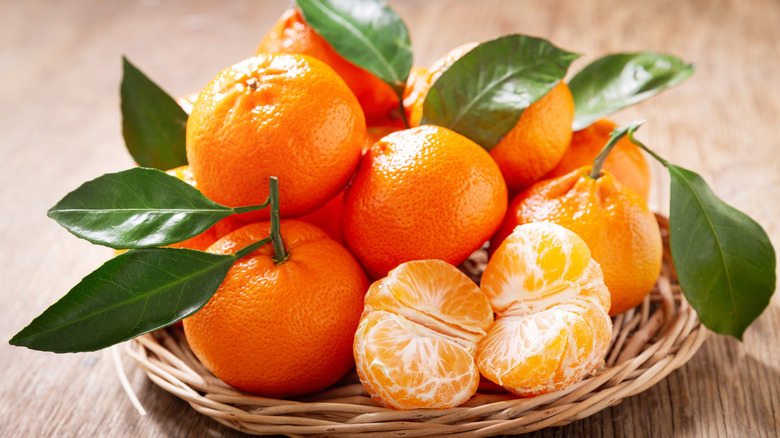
483	94
619	80
134	293
153	124
724	260
367	33
137	208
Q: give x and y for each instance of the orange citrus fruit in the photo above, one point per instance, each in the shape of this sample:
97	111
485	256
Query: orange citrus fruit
529	150
422	193
615	223
291	34
265	117
187	101
625	162
415	345
281	330
552	326
536	144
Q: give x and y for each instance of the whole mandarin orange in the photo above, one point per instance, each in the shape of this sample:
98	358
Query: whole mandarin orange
281	330
291	34
289	116
421	193
625	162
529	150
536	144
616	224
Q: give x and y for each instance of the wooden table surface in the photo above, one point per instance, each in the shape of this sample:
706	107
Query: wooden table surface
60	67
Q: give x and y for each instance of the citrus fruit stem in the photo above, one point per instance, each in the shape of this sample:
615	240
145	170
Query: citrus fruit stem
280	253
614	137
403	111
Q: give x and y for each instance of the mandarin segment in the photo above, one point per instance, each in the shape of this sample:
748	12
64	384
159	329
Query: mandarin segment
415	345
551	304
264	117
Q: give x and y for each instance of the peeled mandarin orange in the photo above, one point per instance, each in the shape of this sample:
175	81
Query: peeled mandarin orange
421	193
265	117
415	345
291	34
625	162
281	330
616	224
551	304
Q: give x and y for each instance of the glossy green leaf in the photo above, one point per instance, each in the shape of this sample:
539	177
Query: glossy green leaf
134	293
137	208
367	33
724	259
153	124
483	94
619	80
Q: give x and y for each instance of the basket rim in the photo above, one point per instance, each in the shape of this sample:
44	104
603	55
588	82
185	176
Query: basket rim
648	342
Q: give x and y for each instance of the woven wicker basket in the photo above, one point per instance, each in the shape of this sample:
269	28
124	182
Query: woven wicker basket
648	343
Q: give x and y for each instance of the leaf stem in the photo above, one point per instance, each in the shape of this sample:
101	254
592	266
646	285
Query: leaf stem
240	210
403	111
249	249
280	253
614	137
646	149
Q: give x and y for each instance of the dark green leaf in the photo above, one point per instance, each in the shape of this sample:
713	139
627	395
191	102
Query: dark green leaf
132	294
153	124
725	261
367	33
137	208
483	94
619	80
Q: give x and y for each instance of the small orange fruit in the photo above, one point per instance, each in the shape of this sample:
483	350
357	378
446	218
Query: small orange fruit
615	223
291	34
265	117
529	150
536	144
415	345
552	326
625	162
187	101
421	193
281	330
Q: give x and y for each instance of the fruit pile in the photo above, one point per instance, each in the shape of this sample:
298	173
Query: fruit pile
306	211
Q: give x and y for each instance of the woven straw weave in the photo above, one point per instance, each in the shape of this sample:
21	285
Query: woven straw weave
648	343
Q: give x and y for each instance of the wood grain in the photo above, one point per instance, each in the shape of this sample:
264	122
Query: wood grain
60	64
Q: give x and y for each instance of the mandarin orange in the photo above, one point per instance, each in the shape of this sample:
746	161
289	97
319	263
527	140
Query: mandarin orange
615	223
421	193
265	117
281	330
291	34
552	326
415	345
625	162
529	150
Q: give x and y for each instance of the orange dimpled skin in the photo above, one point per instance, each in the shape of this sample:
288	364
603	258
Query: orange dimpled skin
615	223
536	144
291	34
422	193
551	304
281	330
415	345
265	117
625	162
